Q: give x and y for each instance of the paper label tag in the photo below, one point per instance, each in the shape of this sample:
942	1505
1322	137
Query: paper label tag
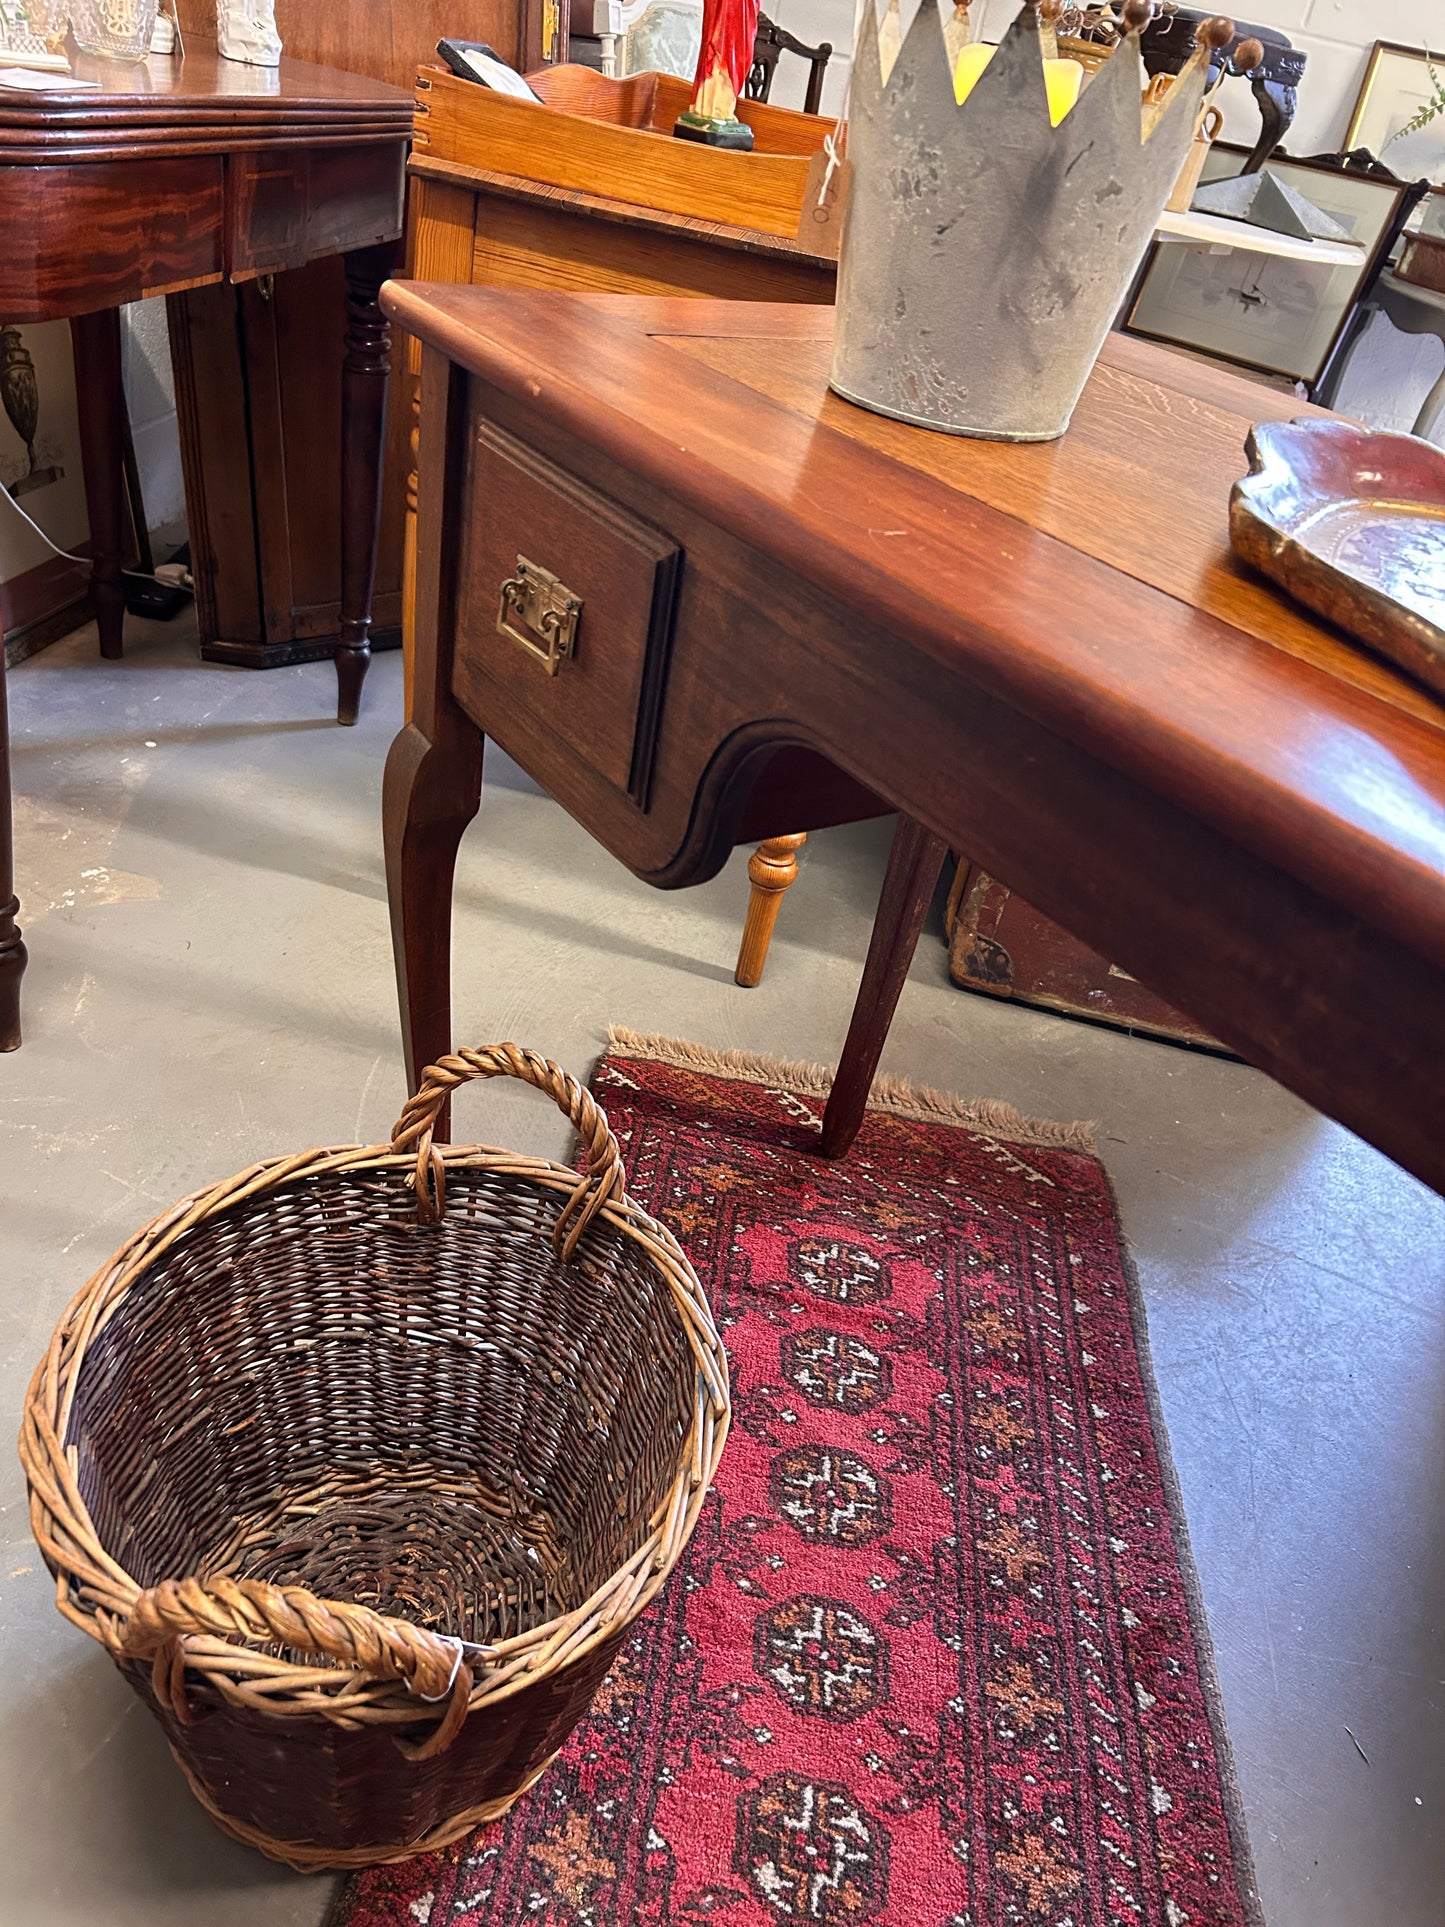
820	224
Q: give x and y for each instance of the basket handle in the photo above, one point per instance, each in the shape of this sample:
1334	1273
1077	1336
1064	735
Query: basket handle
426	1663
416	1126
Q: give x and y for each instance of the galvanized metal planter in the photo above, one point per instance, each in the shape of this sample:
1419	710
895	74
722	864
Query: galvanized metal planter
985	252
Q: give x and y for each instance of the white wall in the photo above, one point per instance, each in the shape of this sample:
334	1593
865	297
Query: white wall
813	21
151	394
1390	374
59	507
1336	34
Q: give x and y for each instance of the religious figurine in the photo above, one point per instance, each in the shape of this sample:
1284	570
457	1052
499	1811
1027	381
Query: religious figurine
246	31
729	28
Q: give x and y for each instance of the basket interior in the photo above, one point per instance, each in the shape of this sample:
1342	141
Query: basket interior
441	1422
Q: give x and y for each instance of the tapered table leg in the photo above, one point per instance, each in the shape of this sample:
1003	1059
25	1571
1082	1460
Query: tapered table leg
430	793
100	402
364	372
12	950
433	781
913	866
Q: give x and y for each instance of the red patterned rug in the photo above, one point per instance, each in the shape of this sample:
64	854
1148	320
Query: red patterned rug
929	1660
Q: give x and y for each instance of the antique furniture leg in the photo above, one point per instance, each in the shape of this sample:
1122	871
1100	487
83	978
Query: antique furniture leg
100	399
433	781
772	869
441	225
913	866
12	950
363	430
1277	102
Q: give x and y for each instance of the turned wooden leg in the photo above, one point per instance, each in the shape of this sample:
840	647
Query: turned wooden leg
913	866
363	430
772	869
100	403
12	950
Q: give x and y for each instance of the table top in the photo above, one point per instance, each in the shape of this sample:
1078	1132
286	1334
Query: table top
1217	230
1089	581
200	104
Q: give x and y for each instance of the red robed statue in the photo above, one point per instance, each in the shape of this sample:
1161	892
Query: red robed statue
729	28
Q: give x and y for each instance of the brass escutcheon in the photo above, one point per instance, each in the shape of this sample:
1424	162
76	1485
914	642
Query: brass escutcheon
547	610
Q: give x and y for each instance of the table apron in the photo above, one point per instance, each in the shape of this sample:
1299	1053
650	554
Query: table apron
95	235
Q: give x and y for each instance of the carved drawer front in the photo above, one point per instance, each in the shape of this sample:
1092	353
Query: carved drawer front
565	611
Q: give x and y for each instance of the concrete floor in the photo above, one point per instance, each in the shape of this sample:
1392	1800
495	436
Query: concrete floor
201	884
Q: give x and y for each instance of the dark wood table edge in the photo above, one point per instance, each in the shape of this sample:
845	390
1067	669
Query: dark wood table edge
1329	847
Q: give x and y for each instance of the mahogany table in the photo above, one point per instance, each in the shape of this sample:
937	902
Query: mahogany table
1045	655
170	175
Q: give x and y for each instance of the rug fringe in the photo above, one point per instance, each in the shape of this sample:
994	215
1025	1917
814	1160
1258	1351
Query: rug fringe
895	1095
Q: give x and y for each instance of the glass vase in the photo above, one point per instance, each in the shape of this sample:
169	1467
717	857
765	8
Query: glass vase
32	27
116	29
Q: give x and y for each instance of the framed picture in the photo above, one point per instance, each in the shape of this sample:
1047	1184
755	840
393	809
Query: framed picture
1280	316
1397	90
40	470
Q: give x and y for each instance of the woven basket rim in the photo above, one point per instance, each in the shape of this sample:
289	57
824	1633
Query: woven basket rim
86	1572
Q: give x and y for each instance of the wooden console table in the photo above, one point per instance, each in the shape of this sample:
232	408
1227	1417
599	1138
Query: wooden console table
1045	655
172	175
175	174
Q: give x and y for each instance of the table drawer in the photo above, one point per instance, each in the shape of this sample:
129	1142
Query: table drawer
570	600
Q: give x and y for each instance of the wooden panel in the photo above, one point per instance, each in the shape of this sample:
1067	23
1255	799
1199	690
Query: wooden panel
211	409
387	39
309	319
460	122
260	373
524	245
1000	945
83	238
288	206
41	604
605	698
655	100
440	222
267	419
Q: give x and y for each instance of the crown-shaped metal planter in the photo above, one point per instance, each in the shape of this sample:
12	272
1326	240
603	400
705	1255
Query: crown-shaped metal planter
986	251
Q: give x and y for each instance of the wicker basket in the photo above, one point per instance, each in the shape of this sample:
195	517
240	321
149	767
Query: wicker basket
362	1463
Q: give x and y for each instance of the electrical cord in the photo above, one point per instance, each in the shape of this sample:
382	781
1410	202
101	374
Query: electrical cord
178	577
27	517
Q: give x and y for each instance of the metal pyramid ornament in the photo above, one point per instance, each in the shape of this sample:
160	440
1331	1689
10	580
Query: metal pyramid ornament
986	252
1264	200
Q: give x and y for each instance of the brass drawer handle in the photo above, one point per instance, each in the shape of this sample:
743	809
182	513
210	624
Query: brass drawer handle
547	610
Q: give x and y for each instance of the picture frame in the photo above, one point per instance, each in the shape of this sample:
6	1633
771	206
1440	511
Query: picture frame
1277	316
41	470
1395	87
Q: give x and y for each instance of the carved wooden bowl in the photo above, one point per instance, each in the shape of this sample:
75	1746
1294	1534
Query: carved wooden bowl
1352	522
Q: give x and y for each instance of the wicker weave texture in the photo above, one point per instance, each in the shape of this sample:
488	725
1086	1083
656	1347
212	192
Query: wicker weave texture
377	1452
